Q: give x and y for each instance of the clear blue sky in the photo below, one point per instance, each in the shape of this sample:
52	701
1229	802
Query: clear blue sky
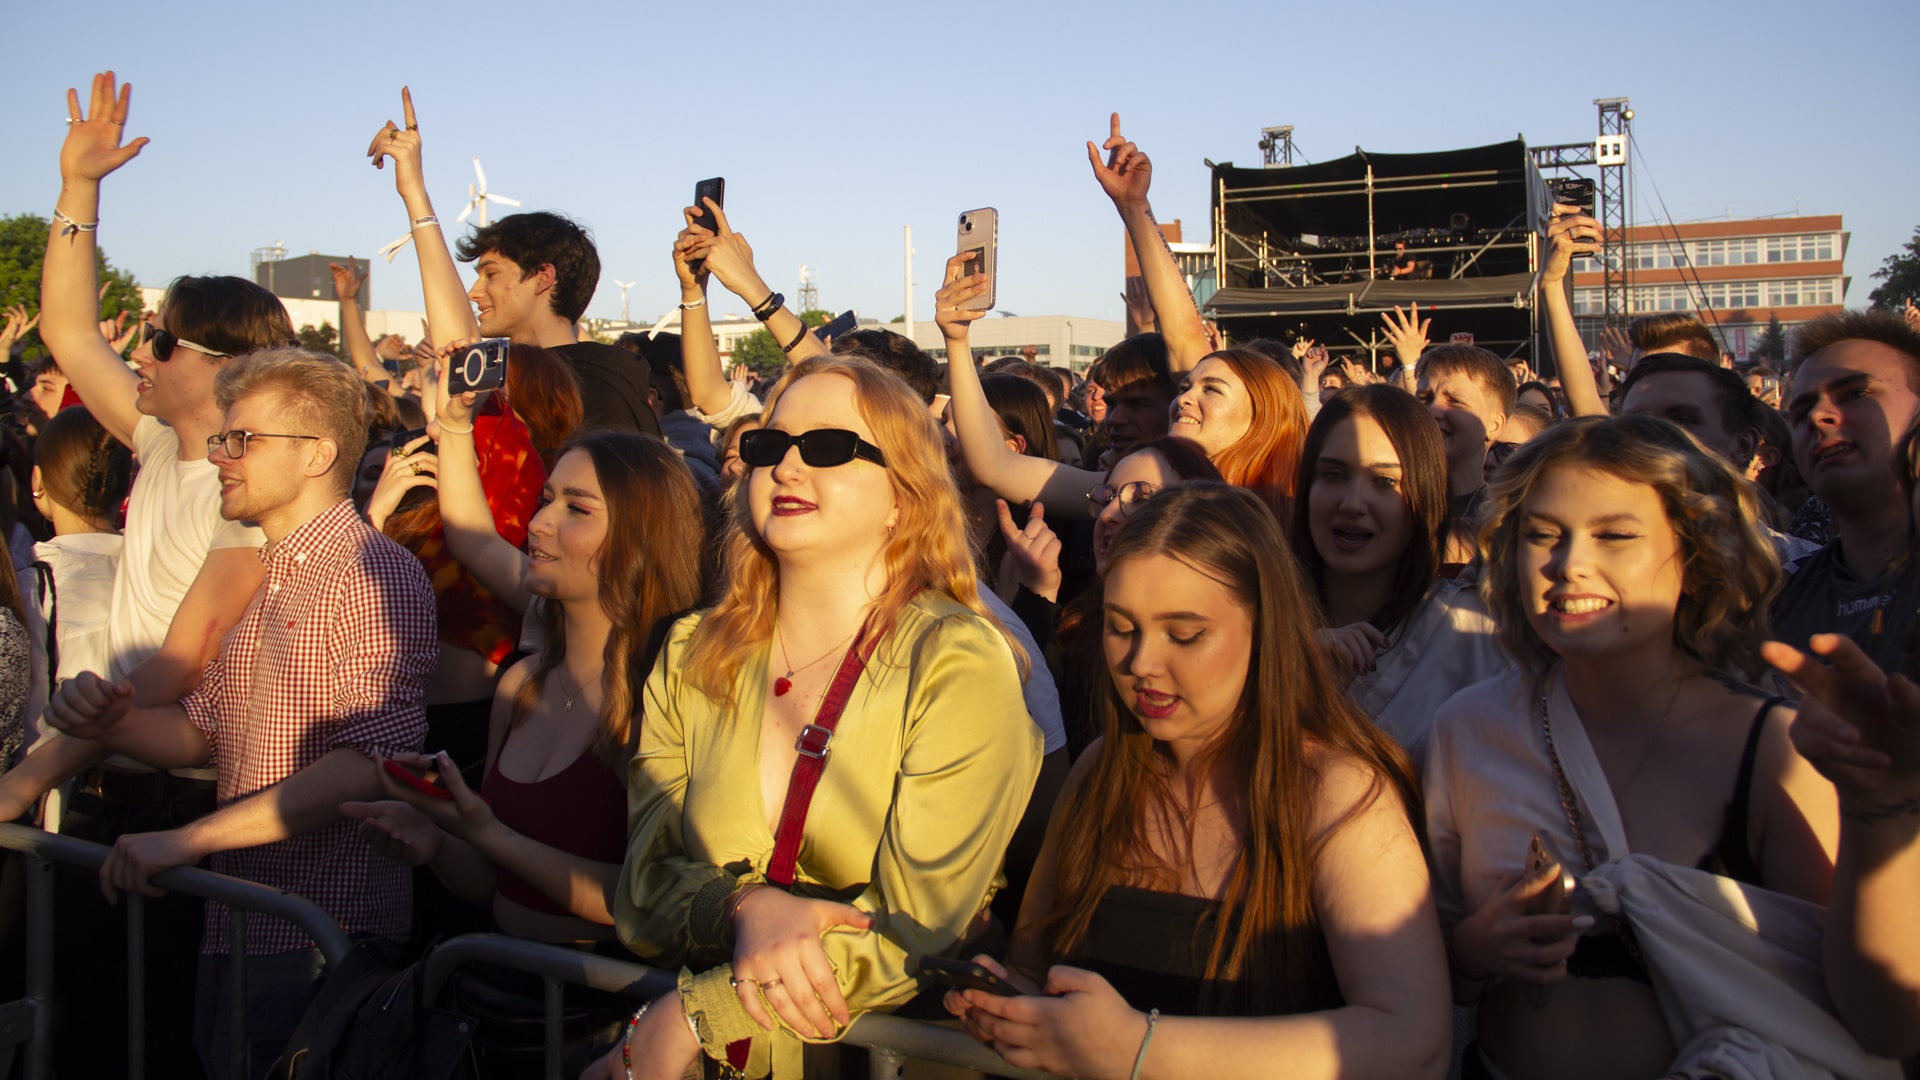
835	125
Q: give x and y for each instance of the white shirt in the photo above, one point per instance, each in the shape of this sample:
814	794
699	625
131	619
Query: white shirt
80	598
173	522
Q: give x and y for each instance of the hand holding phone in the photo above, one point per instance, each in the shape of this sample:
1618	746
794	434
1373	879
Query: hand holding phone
979	241
714	188
426	781
1544	861
965	975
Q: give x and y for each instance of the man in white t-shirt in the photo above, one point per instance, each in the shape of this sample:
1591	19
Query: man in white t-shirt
186	575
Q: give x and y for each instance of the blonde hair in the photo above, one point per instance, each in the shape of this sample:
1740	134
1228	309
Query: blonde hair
926	549
320	394
1729	572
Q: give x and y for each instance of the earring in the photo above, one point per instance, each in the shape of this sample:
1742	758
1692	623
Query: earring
40	493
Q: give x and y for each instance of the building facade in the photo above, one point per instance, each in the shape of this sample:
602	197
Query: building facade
1072	342
1734	275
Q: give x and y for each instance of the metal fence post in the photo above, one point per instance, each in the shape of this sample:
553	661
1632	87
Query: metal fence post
237	991
556	1033
40	966
885	1064
136	986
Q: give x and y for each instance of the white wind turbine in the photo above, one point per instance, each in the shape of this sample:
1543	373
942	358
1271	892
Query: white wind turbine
477	197
624	286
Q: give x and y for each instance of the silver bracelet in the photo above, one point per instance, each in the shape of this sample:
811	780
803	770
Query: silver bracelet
468	430
427	220
68	226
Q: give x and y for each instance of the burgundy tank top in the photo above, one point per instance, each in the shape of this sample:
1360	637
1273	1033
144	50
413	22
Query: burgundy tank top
581	810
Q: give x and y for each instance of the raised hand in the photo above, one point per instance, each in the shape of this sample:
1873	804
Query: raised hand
403	146
1140	319
1615	348
347	280
950	310
1035	550
1570	233
407	467
1912	314
1859	726
391	347
1126	173
690	248
730	258
94	140
778	961
1408	333
17	325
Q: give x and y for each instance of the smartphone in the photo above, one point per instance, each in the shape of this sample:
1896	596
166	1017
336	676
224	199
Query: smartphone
427	783
401	440
1542	860
1574	191
480	366
965	975
979	241
844	323
714	188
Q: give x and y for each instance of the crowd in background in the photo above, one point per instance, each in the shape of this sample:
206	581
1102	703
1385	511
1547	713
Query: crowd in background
1228	704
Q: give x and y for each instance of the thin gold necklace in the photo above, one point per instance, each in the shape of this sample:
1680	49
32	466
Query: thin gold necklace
784	683
561	674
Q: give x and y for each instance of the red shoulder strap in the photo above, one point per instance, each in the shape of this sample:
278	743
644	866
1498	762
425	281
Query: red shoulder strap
814	744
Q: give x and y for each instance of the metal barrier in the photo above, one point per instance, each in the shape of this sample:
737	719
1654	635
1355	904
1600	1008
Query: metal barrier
30	1020
889	1040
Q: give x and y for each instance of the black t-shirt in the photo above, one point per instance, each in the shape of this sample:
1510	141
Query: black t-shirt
1822	596
613	387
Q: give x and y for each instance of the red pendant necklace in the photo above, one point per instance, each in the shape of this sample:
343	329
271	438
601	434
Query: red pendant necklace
784	683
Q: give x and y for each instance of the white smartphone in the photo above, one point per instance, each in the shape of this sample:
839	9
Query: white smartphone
979	240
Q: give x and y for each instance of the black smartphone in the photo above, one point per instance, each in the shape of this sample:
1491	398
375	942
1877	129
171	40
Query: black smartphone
479	366
965	975
844	323
1575	191
714	188
401	440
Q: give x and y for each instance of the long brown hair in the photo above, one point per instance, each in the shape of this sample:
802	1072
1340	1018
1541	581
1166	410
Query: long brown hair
1267	944
1265	459
927	548
649	571
544	393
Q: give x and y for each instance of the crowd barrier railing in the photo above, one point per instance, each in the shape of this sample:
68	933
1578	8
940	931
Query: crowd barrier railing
889	1040
30	1020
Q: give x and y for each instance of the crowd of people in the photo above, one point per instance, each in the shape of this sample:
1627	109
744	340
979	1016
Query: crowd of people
1228	708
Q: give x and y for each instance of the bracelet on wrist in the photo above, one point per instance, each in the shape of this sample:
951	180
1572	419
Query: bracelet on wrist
68	226
764	309
445	430
626	1043
788	348
427	219
689	305
1140	1058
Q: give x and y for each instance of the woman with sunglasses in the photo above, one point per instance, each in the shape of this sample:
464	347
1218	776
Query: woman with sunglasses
791	867
1239	405
1367	529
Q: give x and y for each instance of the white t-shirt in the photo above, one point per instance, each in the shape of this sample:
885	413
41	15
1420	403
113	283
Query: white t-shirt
80	596
173	522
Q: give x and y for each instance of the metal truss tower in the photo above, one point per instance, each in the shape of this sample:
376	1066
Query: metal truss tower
1612	151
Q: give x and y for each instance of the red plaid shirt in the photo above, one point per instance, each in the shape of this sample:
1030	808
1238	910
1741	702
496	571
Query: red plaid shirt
334	651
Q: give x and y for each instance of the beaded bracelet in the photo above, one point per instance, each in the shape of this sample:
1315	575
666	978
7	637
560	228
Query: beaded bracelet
626	1044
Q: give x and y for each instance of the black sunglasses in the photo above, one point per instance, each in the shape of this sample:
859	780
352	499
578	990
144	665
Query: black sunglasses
822	448
164	342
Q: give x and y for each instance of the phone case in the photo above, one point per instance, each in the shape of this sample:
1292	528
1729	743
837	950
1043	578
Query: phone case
715	189
979	231
418	783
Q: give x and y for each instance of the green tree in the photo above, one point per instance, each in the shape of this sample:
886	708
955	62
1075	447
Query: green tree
23	247
760	352
1899	276
814	317
1772	346
322	340
897	319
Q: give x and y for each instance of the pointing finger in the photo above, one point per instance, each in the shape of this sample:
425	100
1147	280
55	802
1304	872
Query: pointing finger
406	105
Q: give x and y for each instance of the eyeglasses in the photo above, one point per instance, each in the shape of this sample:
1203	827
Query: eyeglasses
234	443
822	448
164	342
1130	495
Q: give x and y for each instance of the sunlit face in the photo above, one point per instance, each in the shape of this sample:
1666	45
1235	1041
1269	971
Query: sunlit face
841	511
1178	643
1096	402
178	388
1145	467
1357	514
1135	414
1214	408
1468	417
1689	401
505	296
1851	404
1600	565
46	393
567	533
731	467
264	483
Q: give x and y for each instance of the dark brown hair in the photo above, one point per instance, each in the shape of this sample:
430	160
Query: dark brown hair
1423	487
1480	365
1887	328
226	314
649	568
1673	332
1293	716
1022	408
82	467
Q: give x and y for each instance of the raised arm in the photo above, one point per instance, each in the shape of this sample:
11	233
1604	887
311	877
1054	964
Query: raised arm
730	258
707	387
1125	176
449	316
70	278
466	519
353	326
1570	233
1013	476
